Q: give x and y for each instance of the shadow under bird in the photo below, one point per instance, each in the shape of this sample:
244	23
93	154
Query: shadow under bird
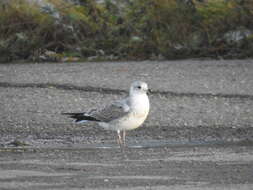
122	115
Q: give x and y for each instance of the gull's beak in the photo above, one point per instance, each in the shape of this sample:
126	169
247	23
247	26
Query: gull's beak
149	91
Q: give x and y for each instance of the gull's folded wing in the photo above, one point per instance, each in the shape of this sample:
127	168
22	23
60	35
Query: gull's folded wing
114	111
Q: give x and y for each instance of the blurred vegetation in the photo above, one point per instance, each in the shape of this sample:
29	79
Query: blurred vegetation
125	29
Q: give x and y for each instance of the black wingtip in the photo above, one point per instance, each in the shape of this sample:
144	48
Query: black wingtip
80	117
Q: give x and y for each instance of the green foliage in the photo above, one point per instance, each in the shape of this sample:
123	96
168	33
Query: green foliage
217	17
220	17
26	31
133	29
163	25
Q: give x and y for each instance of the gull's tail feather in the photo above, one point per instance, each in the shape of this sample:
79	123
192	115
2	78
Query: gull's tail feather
80	117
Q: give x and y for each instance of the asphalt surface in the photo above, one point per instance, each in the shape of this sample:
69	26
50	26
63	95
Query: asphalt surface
199	133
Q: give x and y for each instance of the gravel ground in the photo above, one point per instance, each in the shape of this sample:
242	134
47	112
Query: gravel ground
198	135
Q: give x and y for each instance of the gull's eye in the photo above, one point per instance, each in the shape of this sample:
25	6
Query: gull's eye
139	87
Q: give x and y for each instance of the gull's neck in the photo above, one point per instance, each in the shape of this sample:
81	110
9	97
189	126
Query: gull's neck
133	94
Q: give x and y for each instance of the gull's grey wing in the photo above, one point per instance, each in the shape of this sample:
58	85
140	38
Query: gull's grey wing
114	111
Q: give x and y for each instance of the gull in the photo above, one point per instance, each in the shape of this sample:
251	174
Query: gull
122	115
